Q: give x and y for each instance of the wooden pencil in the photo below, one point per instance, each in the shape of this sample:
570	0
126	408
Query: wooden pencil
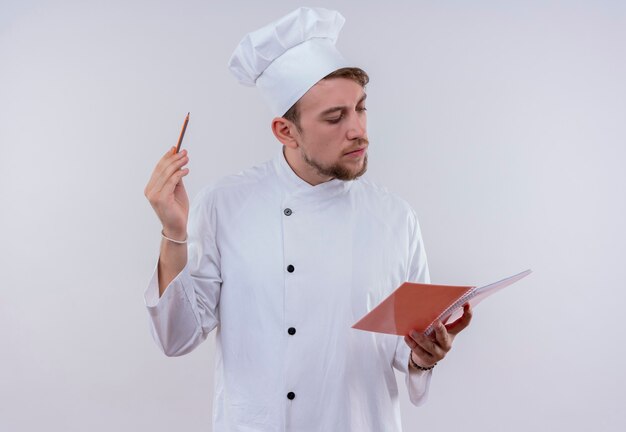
182	134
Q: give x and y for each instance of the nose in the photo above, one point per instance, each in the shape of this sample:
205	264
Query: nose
357	128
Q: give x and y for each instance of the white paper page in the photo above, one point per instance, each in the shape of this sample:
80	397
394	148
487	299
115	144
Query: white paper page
478	294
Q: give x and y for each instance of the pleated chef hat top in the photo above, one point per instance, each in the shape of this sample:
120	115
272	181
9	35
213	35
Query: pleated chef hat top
286	58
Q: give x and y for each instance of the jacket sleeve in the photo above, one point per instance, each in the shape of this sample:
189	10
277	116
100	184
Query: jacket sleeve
187	311
417	382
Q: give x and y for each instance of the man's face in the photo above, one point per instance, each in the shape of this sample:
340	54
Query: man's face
333	138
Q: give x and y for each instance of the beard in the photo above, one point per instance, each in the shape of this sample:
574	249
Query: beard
337	170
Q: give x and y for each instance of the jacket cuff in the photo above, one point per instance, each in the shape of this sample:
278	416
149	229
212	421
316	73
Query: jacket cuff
417	381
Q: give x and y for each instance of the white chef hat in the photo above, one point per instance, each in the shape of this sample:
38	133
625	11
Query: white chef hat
286	58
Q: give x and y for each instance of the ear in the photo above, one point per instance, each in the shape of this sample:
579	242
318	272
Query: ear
285	132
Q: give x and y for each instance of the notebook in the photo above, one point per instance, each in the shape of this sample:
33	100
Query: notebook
419	306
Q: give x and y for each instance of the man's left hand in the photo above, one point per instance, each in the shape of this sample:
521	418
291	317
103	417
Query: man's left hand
428	350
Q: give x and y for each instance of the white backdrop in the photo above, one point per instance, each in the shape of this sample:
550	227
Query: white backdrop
502	123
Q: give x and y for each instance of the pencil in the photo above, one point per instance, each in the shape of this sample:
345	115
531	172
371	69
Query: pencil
182	134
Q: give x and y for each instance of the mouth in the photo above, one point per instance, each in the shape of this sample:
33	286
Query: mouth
357	152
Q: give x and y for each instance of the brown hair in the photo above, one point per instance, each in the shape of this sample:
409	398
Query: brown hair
355	74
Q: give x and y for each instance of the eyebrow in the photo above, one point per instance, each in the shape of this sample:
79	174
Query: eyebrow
342	107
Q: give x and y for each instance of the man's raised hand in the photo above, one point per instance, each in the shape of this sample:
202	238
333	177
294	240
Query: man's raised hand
167	195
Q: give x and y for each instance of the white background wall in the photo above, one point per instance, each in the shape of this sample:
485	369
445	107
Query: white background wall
502	123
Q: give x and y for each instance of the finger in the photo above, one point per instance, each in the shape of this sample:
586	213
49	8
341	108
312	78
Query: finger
176	180
163	183
169	159
424	355
428	345
157	180
183	173
161	198
443	338
410	342
460	324
180	174
166	160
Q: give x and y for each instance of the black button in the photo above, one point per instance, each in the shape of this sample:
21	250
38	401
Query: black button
290	268
291	395
291	331
287	212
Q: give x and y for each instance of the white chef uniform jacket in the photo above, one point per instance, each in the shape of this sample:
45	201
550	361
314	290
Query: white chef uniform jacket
283	270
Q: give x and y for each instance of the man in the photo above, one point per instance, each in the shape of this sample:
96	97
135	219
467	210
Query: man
284	257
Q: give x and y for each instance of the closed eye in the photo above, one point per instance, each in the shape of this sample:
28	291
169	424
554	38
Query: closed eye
338	119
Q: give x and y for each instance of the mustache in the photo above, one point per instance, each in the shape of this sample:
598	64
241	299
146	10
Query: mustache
360	143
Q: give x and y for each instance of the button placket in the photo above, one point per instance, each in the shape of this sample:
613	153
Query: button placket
291	227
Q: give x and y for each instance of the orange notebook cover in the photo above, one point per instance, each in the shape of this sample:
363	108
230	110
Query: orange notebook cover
418	306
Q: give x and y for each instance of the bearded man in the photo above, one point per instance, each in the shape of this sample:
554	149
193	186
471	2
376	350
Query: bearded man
283	258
